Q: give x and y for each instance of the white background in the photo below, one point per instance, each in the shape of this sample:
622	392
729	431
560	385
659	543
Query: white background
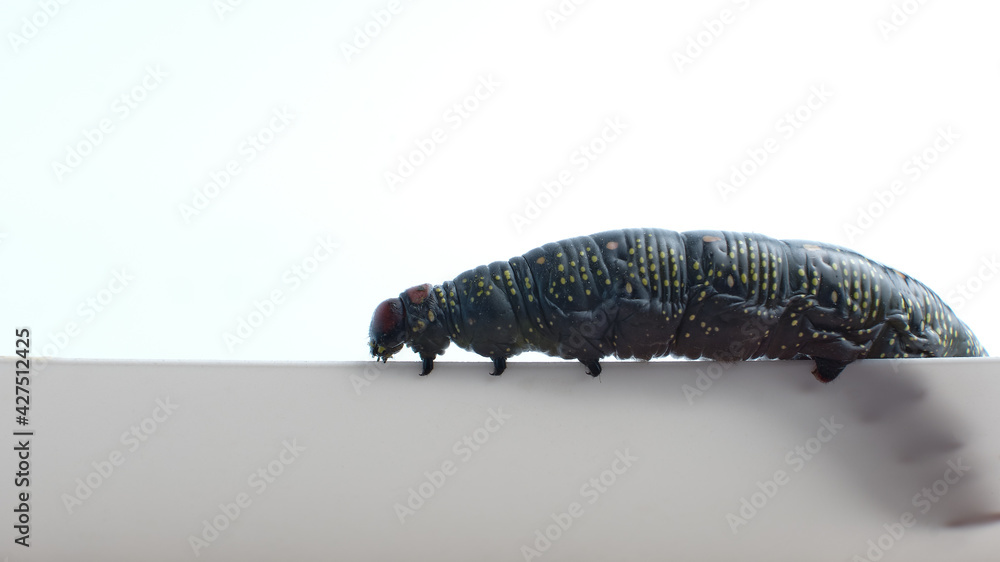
218	77
103	262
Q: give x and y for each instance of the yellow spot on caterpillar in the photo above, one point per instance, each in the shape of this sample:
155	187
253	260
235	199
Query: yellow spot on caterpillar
560	267
628	287
593	259
644	282
569	298
743	277
833	297
730	281
531	298
607	281
691	317
695	266
631	251
430	315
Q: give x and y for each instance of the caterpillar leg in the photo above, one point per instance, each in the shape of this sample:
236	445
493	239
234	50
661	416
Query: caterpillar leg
499	365
828	369
428	365
593	366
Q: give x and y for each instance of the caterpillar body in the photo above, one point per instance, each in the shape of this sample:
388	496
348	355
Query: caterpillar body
645	293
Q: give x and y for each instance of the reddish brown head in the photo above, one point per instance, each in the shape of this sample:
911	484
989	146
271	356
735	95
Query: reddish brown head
388	330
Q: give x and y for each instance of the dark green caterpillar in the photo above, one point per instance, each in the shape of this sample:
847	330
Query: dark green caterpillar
647	293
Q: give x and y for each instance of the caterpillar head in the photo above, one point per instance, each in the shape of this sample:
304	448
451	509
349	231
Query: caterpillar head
388	330
414	320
